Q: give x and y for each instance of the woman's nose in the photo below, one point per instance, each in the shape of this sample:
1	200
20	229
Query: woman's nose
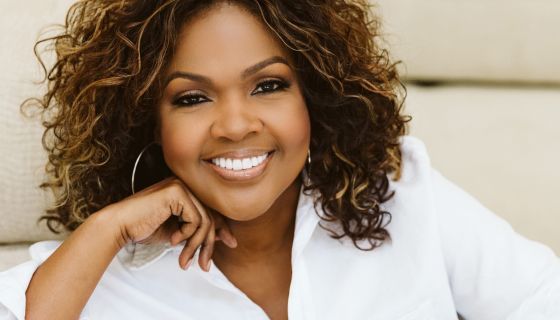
235	120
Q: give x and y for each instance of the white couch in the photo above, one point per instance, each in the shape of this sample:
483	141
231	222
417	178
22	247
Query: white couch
489	116
489	109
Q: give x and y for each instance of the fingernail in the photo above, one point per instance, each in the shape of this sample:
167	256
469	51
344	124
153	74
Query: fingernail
187	264
208	264
231	242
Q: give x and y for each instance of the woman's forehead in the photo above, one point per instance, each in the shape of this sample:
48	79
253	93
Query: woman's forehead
224	34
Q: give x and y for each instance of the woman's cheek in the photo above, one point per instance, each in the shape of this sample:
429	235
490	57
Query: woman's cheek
181	142
294	126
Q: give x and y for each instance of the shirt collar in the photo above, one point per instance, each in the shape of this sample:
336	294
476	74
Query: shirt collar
138	256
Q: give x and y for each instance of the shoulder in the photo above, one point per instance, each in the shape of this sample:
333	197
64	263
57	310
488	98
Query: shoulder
14	281
415	160
413	219
415	168
41	250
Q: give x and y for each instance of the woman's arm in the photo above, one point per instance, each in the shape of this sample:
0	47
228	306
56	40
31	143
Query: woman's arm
494	272
62	285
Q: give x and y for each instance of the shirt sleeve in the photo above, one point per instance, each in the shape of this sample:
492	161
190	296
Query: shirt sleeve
14	281
494	272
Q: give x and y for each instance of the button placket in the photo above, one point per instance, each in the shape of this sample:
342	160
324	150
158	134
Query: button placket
218	279
300	300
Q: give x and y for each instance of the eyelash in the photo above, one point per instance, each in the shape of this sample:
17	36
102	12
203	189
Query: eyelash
183	101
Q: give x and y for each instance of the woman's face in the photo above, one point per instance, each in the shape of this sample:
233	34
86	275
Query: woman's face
231	97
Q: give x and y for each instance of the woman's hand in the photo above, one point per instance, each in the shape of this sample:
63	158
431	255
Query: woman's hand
168	211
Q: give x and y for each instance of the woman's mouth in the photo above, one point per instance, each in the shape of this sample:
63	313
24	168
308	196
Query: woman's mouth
240	169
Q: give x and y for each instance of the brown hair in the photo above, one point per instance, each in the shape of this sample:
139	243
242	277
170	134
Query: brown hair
106	80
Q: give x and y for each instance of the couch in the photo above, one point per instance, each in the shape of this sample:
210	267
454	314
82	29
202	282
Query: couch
484	93
483	81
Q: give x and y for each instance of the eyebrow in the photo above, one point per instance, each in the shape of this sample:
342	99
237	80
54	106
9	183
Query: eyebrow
246	73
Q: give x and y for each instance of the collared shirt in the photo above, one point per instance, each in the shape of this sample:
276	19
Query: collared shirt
448	254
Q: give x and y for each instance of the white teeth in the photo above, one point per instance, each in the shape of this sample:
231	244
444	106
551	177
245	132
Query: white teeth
246	163
239	164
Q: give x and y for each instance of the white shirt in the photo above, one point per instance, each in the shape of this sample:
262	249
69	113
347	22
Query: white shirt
448	254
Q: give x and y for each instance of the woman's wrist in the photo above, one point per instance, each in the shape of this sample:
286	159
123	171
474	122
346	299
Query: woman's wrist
106	220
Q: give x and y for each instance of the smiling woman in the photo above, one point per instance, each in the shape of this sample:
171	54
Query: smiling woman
279	124
233	93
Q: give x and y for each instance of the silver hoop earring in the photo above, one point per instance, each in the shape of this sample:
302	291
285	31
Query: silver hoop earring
136	164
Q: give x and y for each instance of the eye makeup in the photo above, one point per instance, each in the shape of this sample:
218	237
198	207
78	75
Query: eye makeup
271	85
264	87
190	99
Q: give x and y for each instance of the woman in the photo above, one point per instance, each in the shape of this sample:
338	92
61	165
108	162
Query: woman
289	189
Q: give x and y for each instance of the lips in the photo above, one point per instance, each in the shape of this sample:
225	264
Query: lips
245	175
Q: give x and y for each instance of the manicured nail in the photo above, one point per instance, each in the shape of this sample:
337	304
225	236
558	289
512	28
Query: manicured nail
187	264
208	264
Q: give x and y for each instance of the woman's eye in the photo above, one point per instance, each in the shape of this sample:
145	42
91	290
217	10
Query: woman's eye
190	100
270	86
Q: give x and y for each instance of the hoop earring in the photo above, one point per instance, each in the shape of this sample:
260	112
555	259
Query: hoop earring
308	173
136	164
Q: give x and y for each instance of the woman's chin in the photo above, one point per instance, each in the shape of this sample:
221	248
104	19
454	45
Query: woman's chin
240	215
248	206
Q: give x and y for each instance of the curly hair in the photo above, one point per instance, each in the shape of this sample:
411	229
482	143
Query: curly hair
106	80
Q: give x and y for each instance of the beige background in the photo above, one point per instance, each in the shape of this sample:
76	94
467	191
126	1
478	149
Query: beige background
501	145
476	40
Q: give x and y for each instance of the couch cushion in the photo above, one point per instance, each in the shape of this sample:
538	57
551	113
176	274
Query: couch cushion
501	145
14	254
22	158
495	40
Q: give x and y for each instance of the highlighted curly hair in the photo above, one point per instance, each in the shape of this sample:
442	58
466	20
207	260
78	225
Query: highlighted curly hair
106	80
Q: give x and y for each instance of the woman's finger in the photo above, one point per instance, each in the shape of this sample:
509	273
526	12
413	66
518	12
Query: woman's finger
207	249
201	209
223	232
226	237
190	219
185	231
189	212
194	242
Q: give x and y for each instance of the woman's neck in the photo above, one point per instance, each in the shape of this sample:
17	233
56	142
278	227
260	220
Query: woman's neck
268	235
